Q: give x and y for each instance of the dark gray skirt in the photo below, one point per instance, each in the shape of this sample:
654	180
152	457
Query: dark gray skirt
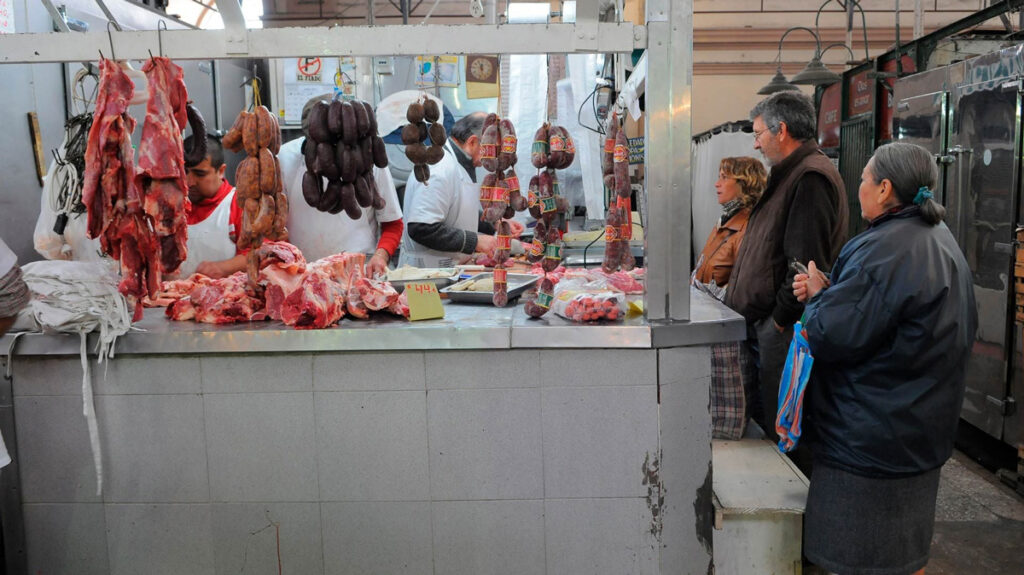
858	525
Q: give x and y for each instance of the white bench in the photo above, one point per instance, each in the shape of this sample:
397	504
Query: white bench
759	498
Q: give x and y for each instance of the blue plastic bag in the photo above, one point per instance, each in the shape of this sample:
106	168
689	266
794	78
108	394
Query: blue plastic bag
795	375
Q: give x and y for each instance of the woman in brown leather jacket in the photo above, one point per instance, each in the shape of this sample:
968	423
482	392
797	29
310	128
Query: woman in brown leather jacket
739	186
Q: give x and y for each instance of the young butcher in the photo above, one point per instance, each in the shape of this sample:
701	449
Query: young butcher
215	218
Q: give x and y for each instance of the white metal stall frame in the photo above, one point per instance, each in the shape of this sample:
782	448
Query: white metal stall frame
667	36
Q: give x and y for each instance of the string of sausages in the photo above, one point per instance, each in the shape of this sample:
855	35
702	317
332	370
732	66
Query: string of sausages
552	149
343	147
259	187
618	223
416	132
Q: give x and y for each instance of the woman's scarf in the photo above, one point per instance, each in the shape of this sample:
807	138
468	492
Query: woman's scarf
730	209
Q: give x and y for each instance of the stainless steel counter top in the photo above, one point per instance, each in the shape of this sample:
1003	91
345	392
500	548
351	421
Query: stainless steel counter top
463	327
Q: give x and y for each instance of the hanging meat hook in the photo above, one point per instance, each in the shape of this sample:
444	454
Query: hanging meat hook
160	37
110	36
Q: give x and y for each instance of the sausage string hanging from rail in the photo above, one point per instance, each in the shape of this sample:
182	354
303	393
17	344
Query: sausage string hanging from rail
259	188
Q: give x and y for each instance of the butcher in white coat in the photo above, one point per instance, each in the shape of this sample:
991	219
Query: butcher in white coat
318	234
443	214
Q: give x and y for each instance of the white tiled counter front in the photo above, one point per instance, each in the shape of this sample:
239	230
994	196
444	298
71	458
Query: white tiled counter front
472	462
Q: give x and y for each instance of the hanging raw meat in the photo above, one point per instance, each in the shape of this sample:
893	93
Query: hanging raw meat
112	199
161	174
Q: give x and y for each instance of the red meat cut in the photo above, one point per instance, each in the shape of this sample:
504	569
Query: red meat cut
225	300
110	194
161	174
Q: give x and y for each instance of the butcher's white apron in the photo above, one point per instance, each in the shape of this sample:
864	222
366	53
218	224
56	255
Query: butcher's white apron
463	214
208	240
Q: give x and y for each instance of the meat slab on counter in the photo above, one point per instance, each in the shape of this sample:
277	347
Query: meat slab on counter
225	300
302	295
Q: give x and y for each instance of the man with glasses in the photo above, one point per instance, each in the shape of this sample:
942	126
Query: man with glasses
801	216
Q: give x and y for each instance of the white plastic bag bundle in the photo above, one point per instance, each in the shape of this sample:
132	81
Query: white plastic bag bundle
73	244
80	297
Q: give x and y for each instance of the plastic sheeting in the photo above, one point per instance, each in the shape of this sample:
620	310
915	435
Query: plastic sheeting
707	155
527	108
585	173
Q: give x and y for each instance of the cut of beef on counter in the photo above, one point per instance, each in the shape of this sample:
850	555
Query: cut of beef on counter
225	300
305	296
173	290
316	303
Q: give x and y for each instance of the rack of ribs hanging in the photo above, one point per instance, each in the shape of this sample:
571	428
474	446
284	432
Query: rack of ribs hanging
139	214
618	224
259	188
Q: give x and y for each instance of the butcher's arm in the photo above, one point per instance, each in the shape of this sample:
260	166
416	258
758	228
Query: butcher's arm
390	236
443	238
223	268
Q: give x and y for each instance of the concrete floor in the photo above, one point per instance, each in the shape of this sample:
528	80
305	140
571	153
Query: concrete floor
979	523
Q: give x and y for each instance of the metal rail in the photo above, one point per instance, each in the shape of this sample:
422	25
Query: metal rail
409	40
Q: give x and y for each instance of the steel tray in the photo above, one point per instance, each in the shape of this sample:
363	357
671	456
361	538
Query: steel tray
440	282
517	284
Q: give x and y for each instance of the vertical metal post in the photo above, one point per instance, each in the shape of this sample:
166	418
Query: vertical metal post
918	19
667	158
405	11
12	520
236	38
587	12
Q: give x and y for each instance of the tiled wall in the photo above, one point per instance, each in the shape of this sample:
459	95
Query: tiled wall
519	462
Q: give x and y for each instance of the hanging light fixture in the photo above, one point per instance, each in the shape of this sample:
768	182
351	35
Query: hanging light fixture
778	83
816	74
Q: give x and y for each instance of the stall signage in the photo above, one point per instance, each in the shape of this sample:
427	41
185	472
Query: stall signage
310	70
636	150
424	301
828	117
885	122
861	96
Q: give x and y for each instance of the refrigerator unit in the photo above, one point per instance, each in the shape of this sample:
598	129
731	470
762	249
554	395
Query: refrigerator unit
968	114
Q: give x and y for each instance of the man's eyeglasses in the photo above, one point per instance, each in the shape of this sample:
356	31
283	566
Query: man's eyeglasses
757	133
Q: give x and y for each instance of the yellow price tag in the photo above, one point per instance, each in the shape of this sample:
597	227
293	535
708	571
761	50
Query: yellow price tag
635	308
424	301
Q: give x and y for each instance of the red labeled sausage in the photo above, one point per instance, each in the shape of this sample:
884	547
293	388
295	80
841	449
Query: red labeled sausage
500	297
540	149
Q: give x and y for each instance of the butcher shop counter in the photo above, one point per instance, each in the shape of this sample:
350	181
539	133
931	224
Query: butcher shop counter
484	442
465	326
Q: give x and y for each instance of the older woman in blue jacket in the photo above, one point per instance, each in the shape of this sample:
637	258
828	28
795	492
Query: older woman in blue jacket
890	337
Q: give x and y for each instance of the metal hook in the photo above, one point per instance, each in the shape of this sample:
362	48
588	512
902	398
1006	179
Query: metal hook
160	37
110	36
